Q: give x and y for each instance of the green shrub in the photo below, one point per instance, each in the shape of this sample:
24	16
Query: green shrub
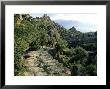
34	45
79	53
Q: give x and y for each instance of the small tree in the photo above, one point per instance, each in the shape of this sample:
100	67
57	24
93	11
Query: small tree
62	44
79	54
49	41
43	38
79	59
34	45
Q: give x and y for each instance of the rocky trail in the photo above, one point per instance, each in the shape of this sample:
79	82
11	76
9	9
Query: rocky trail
41	63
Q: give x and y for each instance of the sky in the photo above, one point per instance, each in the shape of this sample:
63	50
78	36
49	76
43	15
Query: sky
84	22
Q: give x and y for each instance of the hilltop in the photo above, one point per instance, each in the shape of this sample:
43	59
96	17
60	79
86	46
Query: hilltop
58	51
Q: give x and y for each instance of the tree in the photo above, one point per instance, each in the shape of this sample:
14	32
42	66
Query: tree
89	70
62	44
78	54
34	45
55	36
78	60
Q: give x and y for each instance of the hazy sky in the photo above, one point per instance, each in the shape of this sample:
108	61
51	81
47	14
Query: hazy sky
84	22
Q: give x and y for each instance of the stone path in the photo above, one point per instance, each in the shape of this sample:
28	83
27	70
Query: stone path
41	63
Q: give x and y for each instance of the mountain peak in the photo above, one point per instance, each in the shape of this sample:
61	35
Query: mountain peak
73	29
45	16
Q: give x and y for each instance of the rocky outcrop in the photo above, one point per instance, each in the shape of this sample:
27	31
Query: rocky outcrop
41	63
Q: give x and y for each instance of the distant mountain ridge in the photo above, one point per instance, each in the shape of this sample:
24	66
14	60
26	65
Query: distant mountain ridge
75	50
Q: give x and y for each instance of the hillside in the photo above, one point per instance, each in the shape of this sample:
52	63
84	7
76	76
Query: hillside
42	47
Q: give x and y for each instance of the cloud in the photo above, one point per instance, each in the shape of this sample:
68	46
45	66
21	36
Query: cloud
83	22
88	18
81	26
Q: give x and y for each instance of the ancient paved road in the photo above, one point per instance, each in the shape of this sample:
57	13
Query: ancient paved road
41	63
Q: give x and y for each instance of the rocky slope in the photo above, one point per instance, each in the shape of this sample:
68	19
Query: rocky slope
41	63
